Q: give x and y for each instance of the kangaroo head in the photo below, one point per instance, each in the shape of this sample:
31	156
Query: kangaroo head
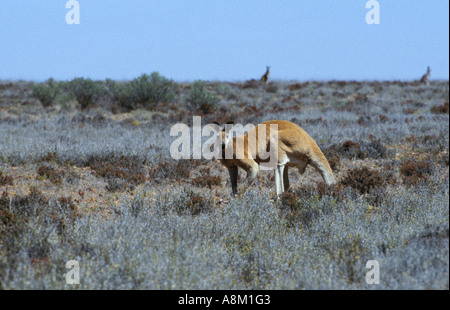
224	135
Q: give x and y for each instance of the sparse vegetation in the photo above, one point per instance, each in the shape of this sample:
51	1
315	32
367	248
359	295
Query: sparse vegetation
46	92
85	91
207	181
414	171
120	173
364	180
201	99
95	182
6	179
440	109
146	91
49	172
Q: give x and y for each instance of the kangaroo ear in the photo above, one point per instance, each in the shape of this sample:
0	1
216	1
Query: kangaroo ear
216	127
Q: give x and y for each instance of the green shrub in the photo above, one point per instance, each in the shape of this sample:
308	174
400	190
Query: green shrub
46	92
85	91
144	91
202	100
120	93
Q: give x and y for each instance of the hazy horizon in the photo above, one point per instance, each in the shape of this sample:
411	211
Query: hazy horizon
224	41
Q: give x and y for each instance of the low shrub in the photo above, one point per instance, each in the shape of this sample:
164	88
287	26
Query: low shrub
207	181
25	225
201	99
46	92
85	91
50	173
440	109
173	170
364	180
145	91
6	179
302	205
415	171
349	253
192	203
49	157
372	149
350	149
120	173
294	211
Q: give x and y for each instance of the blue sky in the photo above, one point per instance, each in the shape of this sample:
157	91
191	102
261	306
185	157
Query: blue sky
230	40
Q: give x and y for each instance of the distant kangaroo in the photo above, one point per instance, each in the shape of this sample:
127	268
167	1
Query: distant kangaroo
426	77
265	77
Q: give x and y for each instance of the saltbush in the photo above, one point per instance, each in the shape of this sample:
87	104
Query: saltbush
46	92
145	91
86	91
201	99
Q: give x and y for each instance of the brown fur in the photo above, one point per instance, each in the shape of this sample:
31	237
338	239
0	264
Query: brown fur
426	77
265	77
295	149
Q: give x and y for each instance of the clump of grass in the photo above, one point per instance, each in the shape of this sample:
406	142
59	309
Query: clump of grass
415	171
207	181
50	173
382	118
6	179
351	149
16	210
349	253
172	170
409	111
49	157
364	180
372	149
25	225
192	203
348	149
440	109
336	191
121	173
71	211
301	206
